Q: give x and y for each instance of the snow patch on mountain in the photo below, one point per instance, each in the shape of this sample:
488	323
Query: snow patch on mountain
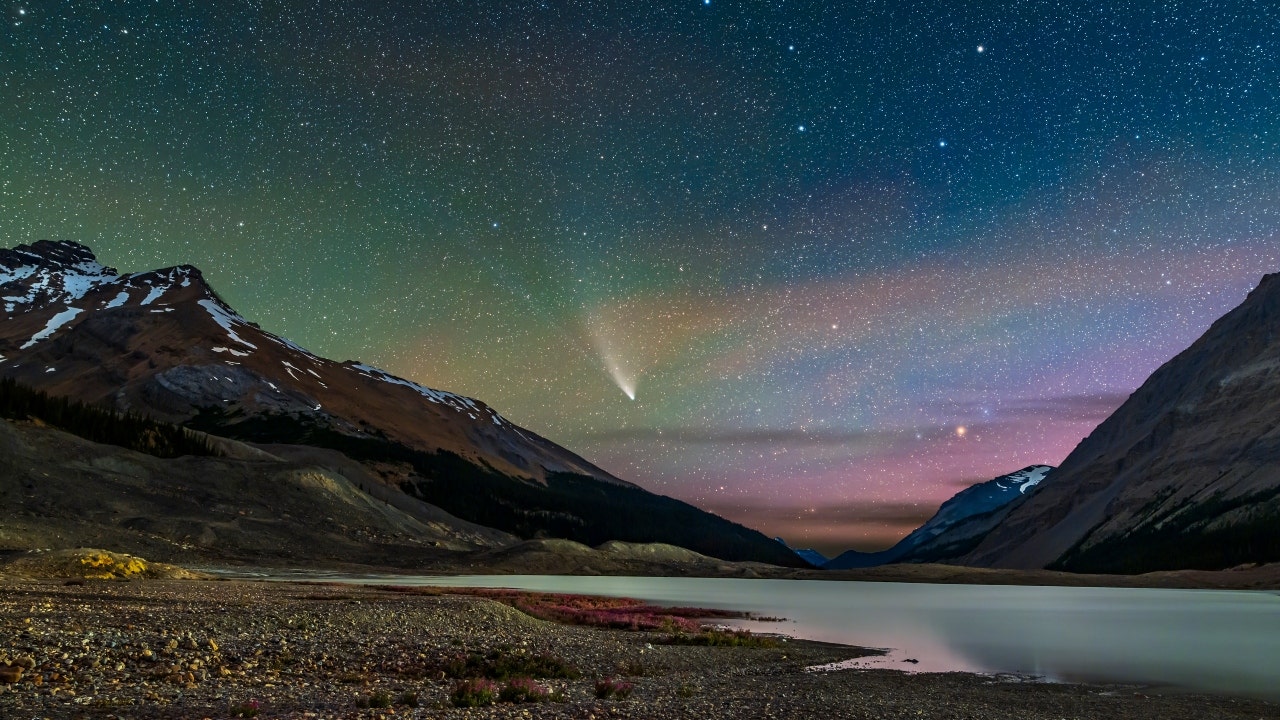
226	320
154	295
52	326
458	403
83	277
118	300
1033	477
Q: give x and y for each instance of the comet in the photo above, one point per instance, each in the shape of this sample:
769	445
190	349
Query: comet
626	386
604	338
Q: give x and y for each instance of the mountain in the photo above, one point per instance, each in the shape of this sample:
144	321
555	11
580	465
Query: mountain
811	556
164	344
959	524
1184	475
58	490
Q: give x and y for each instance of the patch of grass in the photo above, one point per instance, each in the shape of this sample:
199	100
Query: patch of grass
616	689
686	690
503	664
245	709
378	699
713	637
633	668
590	610
523	690
408	698
476	692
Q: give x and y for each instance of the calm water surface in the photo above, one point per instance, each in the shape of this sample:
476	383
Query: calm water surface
1223	641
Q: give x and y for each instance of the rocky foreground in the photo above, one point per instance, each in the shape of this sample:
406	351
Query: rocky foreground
219	649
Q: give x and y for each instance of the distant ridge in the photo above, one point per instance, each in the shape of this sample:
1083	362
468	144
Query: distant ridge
811	556
958	526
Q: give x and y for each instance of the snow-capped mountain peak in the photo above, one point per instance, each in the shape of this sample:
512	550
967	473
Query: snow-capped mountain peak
48	273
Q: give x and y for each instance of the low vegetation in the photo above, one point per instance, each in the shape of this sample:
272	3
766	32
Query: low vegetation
524	690
379	699
248	709
505	663
476	692
614	689
591	610
111	566
1215	534
128	430
716	637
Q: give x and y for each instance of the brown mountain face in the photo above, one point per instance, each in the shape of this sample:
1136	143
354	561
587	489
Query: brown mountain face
164	344
58	490
1185	474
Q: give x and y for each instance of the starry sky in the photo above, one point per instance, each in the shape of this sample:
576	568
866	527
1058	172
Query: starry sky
813	266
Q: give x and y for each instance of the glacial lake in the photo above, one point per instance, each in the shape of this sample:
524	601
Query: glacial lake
1220	641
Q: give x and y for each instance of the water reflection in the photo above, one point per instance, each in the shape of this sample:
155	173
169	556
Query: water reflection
1222	641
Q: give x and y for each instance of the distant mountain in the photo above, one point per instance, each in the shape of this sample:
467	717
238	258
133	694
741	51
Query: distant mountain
809	555
1185	474
163	343
958	526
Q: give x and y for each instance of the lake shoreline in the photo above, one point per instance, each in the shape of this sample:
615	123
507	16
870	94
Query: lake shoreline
1263	578
189	648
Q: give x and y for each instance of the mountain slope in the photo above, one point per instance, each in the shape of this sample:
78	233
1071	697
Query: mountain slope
1185	474
59	490
959	524
165	344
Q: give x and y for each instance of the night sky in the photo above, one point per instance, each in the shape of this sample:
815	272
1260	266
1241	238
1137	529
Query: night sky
847	257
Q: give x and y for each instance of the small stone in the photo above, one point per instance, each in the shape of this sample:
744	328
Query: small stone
11	673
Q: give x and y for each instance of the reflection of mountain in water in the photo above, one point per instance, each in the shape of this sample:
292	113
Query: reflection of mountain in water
1117	635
